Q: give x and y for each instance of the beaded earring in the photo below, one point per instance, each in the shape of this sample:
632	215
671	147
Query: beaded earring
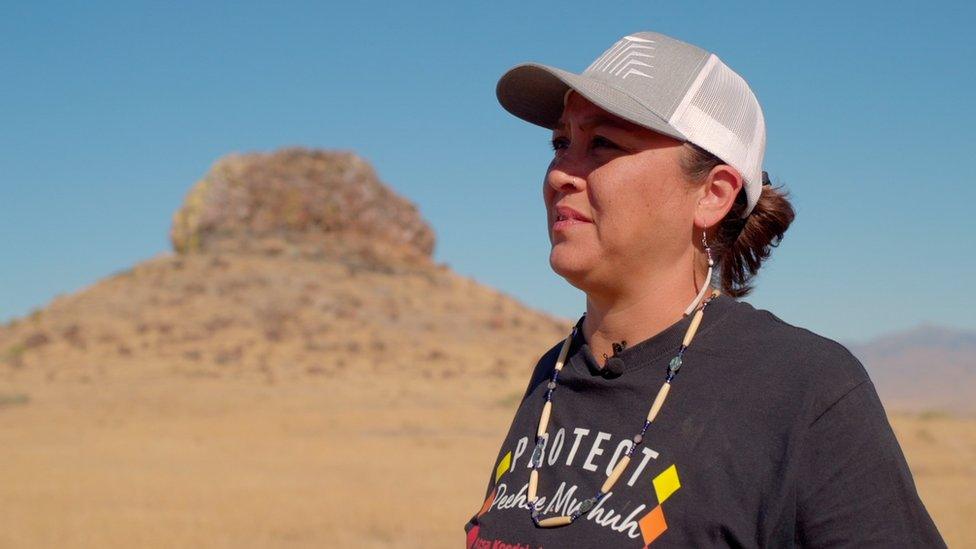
708	277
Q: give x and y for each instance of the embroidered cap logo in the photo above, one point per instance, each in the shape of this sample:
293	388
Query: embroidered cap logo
628	52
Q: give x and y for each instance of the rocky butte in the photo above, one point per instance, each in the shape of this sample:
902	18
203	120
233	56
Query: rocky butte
285	265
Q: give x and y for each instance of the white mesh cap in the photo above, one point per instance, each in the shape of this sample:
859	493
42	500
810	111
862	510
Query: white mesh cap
661	83
720	114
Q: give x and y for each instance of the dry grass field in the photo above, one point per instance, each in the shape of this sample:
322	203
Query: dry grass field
385	461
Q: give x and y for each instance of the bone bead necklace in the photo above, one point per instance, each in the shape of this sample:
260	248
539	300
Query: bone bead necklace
618	470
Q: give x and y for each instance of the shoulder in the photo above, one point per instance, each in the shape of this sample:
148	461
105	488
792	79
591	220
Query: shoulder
544	366
775	353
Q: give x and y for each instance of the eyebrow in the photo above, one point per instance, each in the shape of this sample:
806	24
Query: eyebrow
598	120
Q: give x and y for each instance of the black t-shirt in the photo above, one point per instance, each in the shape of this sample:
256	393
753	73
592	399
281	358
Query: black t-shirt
771	436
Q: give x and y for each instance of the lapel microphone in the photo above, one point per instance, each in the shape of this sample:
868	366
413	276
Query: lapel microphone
614	366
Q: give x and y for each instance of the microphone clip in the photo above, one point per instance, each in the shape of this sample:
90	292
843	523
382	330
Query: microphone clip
614	365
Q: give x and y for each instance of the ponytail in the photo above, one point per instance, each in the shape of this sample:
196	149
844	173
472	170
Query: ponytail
741	245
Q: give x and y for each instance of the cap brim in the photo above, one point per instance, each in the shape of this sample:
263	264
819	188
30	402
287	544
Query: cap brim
534	93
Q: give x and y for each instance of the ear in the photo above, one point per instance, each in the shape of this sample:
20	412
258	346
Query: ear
717	195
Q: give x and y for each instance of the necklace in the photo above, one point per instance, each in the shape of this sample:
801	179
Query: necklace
618	469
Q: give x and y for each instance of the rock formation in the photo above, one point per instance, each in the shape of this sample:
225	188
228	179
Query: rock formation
304	202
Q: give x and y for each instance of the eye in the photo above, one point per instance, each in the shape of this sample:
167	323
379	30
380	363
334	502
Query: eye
559	143
600	141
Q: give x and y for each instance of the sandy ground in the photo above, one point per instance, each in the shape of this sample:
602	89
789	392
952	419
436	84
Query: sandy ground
240	463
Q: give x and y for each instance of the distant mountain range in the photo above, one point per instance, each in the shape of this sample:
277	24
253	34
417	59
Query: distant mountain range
927	368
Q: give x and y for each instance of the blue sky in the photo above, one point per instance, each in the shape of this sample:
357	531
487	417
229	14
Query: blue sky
109	112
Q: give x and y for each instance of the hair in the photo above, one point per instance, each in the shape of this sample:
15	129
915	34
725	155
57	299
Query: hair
741	245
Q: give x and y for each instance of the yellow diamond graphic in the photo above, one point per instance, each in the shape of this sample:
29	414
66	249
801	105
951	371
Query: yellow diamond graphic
666	483
503	465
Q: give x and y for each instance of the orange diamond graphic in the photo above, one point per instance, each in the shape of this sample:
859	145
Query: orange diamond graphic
488	501
652	525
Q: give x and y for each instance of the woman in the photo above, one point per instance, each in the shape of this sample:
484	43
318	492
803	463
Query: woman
772	435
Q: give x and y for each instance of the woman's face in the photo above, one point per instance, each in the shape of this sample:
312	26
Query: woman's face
628	182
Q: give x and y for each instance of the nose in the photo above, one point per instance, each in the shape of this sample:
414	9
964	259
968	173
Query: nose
561	177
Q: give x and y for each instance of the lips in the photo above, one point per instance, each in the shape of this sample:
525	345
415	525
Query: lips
567	213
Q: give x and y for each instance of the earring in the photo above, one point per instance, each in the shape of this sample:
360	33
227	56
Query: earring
708	251
708	277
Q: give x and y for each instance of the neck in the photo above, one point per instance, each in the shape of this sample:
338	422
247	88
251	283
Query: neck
636	315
